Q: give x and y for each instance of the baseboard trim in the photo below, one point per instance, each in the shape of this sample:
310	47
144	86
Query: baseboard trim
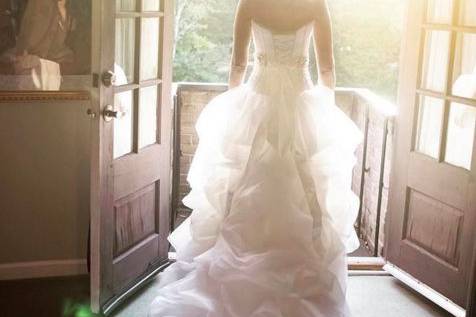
38	269
425	290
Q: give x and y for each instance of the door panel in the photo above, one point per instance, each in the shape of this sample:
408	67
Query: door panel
135	218
430	227
133	221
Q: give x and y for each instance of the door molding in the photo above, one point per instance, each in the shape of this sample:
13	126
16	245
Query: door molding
40	269
43	96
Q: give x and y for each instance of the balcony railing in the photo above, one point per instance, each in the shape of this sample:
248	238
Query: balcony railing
373	115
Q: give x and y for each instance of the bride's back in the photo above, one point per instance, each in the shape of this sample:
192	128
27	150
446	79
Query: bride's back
282	15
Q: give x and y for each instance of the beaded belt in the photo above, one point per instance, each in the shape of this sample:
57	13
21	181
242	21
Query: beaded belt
295	61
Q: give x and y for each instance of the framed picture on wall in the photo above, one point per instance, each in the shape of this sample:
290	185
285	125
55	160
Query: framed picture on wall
44	44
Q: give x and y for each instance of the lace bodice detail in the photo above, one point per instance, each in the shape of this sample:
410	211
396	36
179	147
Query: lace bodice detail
287	49
281	58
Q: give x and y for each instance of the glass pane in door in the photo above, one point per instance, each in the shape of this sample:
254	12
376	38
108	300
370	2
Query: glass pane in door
123	126
150	5
430	119
126	5
435	62
149	48
148	116
440	11
464	82
125	50
461	127
468	13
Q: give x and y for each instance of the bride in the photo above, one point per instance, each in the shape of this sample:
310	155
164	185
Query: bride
273	210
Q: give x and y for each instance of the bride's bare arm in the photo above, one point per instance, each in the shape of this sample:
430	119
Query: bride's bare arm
241	44
323	45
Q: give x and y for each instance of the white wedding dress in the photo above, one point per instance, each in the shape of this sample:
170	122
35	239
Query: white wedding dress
273	210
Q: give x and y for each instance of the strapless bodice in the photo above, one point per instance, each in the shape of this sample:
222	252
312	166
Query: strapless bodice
281	58
286	49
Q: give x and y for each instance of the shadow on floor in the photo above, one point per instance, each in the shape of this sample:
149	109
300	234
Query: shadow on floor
368	296
362	251
46	297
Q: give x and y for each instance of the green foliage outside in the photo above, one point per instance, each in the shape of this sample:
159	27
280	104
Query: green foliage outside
204	34
367	36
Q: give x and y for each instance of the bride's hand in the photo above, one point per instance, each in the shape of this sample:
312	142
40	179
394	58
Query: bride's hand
327	78
237	73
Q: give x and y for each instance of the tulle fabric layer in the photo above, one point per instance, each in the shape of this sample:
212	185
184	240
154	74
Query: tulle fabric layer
273	210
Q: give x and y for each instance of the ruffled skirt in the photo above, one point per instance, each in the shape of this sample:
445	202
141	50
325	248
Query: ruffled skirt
273	210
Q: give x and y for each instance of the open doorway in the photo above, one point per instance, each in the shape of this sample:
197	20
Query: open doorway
367	64
424	131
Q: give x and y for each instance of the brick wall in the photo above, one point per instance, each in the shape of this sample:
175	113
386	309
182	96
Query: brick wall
191	98
376	130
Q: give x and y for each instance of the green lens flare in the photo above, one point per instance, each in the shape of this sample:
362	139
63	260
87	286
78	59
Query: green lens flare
75	309
83	311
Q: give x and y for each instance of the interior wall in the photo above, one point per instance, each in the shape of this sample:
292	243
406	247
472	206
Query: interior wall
44	183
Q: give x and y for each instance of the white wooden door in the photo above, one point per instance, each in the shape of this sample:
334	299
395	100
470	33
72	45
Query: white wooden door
131	168
430	227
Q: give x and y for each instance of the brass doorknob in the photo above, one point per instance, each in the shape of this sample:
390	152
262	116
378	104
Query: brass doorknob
110	112
108	78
